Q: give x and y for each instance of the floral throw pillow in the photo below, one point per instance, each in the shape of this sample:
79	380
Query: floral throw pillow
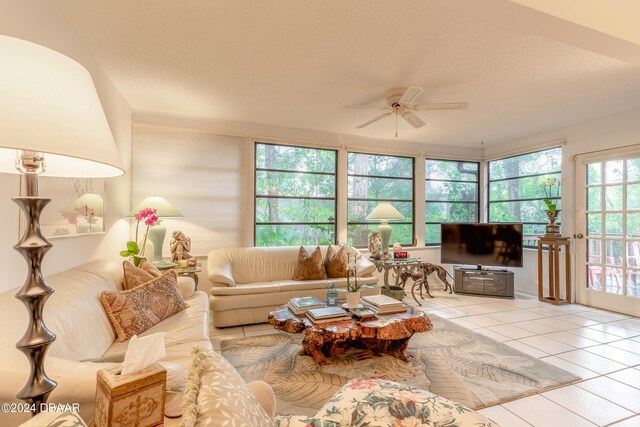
310	266
216	395
336	262
374	402
135	310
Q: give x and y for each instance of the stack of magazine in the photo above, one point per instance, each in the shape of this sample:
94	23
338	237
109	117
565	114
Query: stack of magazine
327	314
384	304
300	306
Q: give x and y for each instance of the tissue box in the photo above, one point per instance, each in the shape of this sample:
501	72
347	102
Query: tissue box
134	400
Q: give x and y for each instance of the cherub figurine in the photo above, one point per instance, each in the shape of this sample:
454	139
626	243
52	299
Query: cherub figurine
180	246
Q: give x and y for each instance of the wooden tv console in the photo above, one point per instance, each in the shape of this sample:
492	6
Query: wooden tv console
489	281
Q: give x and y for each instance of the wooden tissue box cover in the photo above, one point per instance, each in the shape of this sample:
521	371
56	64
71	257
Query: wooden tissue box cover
135	400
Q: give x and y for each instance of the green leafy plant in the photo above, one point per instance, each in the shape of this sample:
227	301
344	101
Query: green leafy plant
133	250
551	186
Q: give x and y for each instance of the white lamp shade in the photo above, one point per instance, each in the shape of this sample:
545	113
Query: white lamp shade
384	212
160	204
48	104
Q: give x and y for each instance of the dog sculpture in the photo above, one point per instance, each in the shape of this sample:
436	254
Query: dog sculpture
425	271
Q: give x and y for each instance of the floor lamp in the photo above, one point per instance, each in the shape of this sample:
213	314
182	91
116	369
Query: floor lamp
52	123
164	210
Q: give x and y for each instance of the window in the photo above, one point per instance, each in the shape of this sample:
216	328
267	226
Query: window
451	195
295	190
374	178
514	189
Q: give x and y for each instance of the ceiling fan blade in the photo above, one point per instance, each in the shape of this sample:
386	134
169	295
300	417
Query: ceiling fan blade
440	106
375	119
368	107
413	120
410	94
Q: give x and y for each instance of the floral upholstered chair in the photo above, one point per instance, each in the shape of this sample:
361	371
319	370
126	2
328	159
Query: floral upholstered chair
370	402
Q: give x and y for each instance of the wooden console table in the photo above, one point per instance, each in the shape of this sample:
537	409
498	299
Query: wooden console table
554	243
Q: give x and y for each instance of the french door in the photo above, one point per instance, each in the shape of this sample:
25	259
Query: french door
608	231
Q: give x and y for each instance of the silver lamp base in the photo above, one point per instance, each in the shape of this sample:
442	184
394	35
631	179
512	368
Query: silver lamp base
34	293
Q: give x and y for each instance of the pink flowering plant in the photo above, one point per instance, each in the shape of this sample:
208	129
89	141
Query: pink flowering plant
148	215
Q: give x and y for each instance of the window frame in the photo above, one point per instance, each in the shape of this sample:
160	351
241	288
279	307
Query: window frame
529	199
477	201
256	196
413	194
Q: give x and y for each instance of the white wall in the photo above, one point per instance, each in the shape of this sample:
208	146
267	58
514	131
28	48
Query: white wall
614	131
41	22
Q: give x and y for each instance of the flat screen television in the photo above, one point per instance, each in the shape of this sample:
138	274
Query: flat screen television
482	244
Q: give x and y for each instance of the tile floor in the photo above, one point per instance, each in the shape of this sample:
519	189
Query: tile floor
600	346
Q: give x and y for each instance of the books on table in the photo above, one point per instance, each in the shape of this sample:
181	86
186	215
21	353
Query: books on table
327	314
384	304
301	305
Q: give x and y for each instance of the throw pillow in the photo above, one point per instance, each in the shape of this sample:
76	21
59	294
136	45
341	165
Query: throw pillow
309	266
217	395
396	404
135	310
336	262
150	268
134	276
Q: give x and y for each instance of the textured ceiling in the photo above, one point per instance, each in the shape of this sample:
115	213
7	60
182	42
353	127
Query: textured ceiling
295	63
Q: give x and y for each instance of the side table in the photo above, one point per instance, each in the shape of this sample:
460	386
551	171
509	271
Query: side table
403	267
190	271
186	271
554	243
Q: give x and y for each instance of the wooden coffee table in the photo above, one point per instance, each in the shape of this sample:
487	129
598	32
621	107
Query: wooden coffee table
388	334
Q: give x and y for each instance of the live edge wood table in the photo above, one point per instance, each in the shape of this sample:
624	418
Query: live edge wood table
388	334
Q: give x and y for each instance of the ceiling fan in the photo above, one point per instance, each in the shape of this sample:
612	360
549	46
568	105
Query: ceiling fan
400	101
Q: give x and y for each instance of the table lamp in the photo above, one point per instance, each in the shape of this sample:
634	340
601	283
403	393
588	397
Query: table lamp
164	209
384	212
52	123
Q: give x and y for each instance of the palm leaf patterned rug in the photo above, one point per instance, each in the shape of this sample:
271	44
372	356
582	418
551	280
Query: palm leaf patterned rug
450	360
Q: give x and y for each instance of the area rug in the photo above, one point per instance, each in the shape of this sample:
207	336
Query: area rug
450	360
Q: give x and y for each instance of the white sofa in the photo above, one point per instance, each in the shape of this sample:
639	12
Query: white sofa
248	283
85	338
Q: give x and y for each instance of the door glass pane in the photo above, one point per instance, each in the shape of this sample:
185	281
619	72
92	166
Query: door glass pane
633	196
594	250
633	254
594	173
594	277
594	200
633	225
613	198
613	251
633	170
613	171
633	283
613	281
594	227
613	224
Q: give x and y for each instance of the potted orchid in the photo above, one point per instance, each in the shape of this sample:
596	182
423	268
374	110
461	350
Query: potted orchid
148	215
353	288
551	188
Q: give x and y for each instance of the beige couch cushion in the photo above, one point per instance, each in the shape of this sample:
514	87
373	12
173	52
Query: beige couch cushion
238	266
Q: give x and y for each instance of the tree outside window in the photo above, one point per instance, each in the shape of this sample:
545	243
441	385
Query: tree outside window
295	190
